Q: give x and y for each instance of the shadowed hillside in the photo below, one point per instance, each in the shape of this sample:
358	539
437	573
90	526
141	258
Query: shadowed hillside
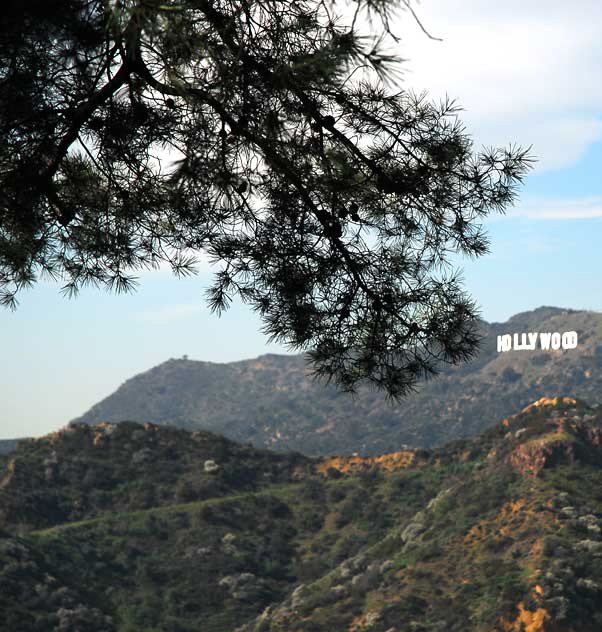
129	527
272	402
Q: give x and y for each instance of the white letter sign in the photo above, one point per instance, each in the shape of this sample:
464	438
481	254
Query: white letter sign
569	340
554	340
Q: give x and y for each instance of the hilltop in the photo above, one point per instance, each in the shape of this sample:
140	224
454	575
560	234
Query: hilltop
119	528
272	402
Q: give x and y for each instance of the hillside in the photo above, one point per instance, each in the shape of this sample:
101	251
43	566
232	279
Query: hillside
272	402
122	528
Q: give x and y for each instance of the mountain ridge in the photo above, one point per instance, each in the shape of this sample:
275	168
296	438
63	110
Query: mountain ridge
272	402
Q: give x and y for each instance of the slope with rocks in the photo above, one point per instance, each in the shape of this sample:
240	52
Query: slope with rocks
272	401
82	472
512	544
129	527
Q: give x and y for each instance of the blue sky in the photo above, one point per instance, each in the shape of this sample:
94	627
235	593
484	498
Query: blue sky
525	72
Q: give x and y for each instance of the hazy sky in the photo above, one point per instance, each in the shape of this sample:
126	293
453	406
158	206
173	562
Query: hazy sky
525	72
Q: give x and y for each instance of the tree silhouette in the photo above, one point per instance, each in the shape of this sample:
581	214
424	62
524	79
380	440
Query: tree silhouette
268	135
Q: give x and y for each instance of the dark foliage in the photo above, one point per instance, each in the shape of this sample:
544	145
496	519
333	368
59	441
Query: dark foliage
330	202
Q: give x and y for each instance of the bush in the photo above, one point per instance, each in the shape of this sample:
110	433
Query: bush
540	359
510	375
312	569
347	512
333	474
312	489
336	493
184	492
311	521
556	547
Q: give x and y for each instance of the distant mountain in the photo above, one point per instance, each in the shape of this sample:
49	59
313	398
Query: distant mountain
128	527
271	402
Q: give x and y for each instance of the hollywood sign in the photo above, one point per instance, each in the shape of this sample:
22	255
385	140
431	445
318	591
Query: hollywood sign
528	342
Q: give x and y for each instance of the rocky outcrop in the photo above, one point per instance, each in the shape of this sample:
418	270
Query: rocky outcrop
567	435
531	457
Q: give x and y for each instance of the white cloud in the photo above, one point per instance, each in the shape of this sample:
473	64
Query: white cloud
557	208
526	72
